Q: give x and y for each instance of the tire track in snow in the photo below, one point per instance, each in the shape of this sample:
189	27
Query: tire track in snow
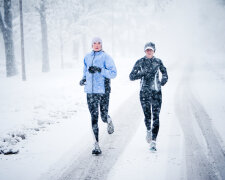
214	146
88	166
200	165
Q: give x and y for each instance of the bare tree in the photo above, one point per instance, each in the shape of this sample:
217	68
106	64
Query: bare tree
22	41
45	56
7	31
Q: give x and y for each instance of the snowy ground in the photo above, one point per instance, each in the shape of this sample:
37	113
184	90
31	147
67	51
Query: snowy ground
53	116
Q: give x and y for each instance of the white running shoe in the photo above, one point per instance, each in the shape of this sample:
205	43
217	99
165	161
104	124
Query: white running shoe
96	150
110	127
149	136
153	145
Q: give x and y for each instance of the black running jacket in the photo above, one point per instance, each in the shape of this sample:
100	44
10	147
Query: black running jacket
148	71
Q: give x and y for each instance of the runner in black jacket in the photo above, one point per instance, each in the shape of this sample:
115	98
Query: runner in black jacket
147	69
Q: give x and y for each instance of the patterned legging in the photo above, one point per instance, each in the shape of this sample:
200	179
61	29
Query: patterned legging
151	103
94	101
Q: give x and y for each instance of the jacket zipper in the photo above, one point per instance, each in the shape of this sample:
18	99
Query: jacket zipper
92	73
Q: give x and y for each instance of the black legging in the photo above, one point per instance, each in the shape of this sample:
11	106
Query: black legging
94	100
151	100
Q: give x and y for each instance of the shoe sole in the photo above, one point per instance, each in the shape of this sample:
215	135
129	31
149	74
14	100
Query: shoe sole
96	154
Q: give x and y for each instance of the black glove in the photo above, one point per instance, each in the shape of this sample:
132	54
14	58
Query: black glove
163	82
94	69
83	82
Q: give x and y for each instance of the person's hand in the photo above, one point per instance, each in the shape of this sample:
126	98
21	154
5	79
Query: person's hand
94	69
91	69
97	69
83	82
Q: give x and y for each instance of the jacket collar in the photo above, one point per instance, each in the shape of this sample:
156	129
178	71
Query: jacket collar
149	58
96	52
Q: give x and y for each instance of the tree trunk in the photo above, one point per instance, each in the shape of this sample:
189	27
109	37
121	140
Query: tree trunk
7	31
22	42
45	58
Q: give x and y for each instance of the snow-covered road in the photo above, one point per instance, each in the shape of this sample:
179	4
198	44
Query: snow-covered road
205	156
190	142
125	153
87	166
189	147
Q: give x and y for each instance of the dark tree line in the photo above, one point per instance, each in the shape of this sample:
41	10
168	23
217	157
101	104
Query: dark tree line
7	31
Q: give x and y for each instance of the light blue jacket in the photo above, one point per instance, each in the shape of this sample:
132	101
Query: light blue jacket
95	83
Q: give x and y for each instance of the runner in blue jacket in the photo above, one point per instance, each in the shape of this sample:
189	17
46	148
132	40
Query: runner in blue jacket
99	68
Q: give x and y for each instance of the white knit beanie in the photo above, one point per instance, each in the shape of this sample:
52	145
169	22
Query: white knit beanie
96	40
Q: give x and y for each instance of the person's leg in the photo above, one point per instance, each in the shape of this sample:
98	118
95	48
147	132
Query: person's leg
146	106
156	107
104	106
93	101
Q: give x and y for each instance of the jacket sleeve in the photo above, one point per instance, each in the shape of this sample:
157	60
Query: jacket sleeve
164	74
136	72
84	70
109	71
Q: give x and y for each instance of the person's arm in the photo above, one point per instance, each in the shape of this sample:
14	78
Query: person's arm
164	74
85	69
83	80
109	71
136	72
